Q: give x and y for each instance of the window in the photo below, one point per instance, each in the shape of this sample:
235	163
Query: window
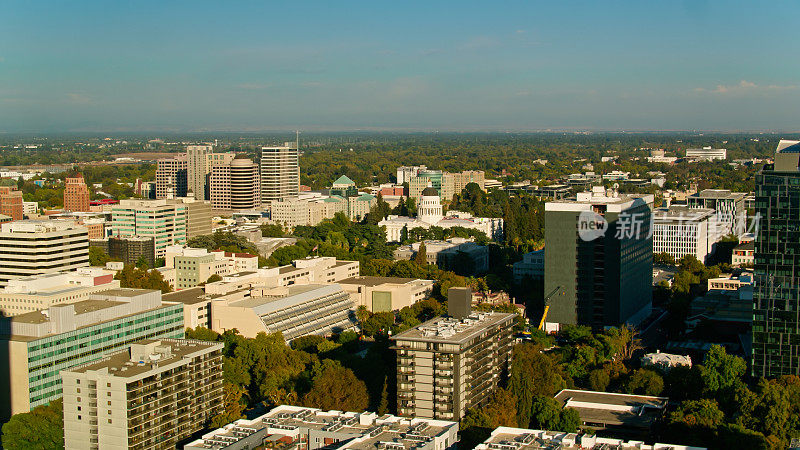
109	420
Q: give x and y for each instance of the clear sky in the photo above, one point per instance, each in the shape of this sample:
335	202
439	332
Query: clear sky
428	65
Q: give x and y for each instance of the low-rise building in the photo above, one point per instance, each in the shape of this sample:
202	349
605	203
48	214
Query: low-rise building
452	363
730	282
744	254
620	414
36	292
39	344
196	265
151	395
459	255
294	311
531	266
706	154
665	361
381	294
506	438
313	429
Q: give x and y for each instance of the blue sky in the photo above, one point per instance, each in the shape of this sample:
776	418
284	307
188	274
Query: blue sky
612	65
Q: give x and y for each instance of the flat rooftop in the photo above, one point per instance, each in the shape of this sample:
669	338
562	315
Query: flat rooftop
120	364
125	292
81	307
638	411
279	294
450	330
507	438
683	213
719	194
186	296
377	281
355	430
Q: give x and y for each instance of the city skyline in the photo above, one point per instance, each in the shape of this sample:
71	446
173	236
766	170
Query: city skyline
91	67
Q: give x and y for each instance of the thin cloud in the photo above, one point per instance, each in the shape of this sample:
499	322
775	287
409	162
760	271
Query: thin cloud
77	98
253	86
744	87
480	43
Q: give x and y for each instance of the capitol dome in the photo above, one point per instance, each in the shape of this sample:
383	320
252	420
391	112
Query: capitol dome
430	207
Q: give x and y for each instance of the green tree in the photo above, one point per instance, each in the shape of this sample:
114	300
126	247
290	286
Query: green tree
421	257
645	382
533	373
383	406
721	371
213	278
704	413
663	258
98	256
41	428
599	379
337	387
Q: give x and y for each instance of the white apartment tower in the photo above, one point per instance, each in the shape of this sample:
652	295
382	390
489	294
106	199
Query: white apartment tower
33	247
150	396
280	172
197	169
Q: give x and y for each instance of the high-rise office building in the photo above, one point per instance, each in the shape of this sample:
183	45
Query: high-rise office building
599	258
149	396
196	169
11	204
76	194
163	220
236	185
280	172
450	364
198	215
32	247
776	294
171	177
37	345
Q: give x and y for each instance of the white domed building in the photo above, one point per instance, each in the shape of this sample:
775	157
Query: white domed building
429	214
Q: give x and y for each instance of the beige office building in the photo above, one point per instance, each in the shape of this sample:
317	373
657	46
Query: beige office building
280	172
235	185
452	363
149	396
26	294
33	247
199	216
383	294
294	311
196	169
171	177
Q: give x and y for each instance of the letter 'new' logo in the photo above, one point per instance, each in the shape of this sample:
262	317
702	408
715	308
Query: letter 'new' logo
591	225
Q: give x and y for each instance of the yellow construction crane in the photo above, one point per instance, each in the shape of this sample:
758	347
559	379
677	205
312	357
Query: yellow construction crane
547	304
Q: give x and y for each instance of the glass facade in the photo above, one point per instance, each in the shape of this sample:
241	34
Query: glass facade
49	355
776	296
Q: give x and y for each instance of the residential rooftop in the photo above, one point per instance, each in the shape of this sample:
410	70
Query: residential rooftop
146	355
363	431
506	438
451	330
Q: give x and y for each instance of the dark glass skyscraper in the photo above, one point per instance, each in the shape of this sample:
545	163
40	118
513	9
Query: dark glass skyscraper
776	308
599	259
